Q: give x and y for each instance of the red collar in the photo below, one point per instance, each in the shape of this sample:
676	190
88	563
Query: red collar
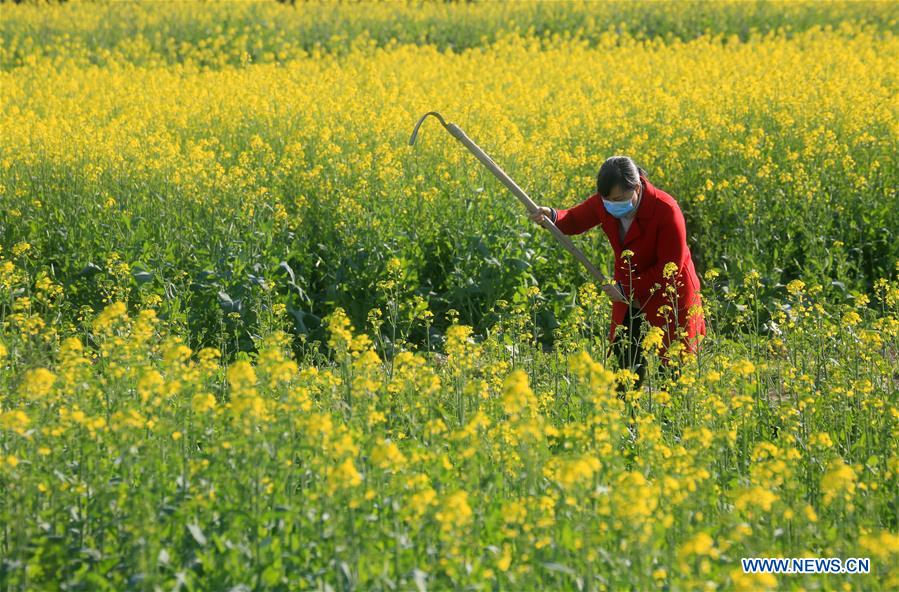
648	201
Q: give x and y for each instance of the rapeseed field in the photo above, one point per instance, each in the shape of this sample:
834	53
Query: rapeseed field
252	339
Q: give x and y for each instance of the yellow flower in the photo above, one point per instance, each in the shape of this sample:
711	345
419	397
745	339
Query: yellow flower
514	512
37	383
203	402
570	472
20	248
882	545
343	476
150	383
388	456
810	513
756	496
435	428
669	270
821	440
340	329
838	482
851	318
71	346
743	367
795	287
15	420
700	545
752	279
505	559
752	582
635	498
176	353
109	315
517	394
241	375
208	359
455	513
653	341
462	352
420	501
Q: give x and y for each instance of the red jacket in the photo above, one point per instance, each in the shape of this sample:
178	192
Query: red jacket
656	236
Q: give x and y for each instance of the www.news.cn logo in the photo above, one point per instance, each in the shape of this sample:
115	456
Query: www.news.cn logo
806	565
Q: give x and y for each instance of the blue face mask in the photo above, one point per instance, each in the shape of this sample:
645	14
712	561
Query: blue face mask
619	209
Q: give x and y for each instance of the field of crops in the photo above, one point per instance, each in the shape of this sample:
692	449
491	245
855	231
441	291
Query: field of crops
250	338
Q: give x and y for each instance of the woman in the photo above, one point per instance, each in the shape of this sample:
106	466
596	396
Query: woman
646	229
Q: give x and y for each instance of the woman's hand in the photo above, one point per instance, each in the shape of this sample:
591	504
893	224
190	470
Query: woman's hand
541	216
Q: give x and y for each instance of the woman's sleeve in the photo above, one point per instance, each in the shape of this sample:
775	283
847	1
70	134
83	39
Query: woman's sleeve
671	246
580	218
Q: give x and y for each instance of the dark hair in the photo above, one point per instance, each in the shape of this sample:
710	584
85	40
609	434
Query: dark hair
618	170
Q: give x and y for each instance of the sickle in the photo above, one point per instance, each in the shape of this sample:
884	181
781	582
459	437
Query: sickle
457	133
